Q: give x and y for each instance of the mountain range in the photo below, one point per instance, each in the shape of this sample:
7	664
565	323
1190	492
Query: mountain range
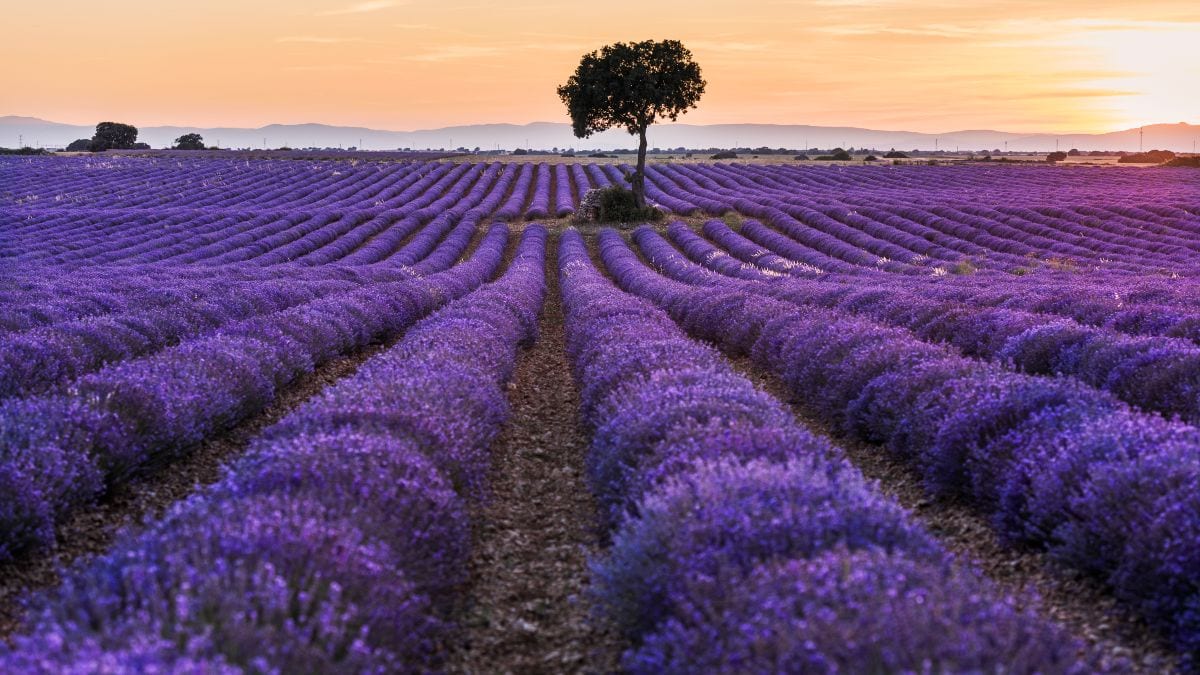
1179	137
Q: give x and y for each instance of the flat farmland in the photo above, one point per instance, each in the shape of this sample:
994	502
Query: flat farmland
275	415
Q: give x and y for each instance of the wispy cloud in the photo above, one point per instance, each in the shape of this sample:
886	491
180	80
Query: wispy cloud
324	67
455	52
728	46
362	7
316	39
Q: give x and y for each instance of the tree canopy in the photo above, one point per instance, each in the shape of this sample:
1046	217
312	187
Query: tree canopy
113	136
189	142
631	86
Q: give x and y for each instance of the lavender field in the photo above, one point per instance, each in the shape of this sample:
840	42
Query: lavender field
462	429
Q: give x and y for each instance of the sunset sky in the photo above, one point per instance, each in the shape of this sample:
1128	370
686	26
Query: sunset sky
1015	65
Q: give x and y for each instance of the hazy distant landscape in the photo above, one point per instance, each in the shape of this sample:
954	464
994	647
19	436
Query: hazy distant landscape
546	135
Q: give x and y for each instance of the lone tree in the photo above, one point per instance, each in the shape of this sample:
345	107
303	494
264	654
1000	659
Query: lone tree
632	85
113	136
189	142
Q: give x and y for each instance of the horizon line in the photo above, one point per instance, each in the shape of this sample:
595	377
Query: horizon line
665	123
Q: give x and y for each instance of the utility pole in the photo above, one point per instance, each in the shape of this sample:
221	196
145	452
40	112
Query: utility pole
20	140
1141	137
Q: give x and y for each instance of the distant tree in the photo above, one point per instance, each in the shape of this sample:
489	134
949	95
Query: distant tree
631	86
1073	152
895	154
837	155
1056	157
725	154
1148	157
113	136
80	145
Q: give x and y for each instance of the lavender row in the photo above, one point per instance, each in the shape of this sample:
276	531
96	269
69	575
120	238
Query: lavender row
742	543
1051	461
337	543
1153	373
60	450
894	232
37	360
1136	306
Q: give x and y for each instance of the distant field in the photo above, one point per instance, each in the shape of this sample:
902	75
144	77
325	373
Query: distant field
379	416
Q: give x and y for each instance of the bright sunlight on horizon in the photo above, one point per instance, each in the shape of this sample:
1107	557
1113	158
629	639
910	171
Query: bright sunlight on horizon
1014	65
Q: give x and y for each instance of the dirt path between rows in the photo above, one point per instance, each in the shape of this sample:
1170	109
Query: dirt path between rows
527	609
1079	603
92	531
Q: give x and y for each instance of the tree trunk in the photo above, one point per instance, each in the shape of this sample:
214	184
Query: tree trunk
639	177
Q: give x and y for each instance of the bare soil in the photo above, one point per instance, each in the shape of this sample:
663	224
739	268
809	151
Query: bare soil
527	609
1081	604
92	531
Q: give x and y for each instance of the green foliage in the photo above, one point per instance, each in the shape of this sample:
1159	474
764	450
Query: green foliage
1149	157
23	151
80	145
963	267
838	155
1056	157
801	158
895	154
733	219
113	136
617	205
870	158
1192	162
631	85
520	151
725	154
189	142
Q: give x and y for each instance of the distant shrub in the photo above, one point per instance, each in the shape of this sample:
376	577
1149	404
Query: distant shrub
838	155
23	151
1151	157
1192	162
895	154
963	267
801	158
80	145
597	155
725	154
568	153
870	158
614	205
189	142
520	151
1056	157
1073	152
617	205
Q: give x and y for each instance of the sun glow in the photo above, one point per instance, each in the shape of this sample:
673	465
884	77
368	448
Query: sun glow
1157	66
921	65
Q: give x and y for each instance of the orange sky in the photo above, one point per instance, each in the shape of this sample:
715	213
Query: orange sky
1015	65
